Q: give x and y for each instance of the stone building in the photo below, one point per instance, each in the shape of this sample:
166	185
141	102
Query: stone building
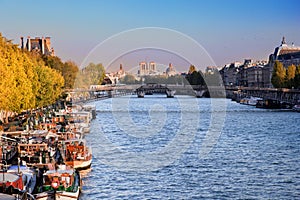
255	76
147	68
41	45
229	74
170	71
286	54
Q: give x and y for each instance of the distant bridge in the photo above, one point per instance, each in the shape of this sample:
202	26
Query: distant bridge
290	96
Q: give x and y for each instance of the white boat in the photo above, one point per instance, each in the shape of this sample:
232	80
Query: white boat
296	107
140	94
252	101
199	93
170	93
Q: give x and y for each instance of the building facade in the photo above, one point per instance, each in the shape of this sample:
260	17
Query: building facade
37	44
286	54
259	73
147	69
170	71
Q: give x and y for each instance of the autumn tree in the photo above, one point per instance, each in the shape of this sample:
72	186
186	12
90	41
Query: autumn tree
290	75
297	77
23	77
279	75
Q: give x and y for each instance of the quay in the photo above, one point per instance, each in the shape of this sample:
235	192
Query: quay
278	96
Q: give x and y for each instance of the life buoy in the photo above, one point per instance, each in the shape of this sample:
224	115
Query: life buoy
55	183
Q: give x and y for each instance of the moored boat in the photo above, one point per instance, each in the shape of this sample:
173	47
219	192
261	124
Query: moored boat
77	154
62	183
296	108
29	177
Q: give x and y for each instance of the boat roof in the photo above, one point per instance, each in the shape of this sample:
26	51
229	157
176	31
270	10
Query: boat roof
15	167
6	197
8	177
59	171
75	140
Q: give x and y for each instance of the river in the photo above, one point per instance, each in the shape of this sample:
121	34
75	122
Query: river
188	148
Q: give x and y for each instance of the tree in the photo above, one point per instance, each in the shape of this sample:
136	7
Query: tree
290	75
213	79
69	72
297	77
26	82
192	69
128	79
278	75
68	69
93	74
51	86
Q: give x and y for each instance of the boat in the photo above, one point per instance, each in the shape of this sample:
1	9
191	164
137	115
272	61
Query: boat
296	108
252	101
8	148
10	181
29	177
77	154
199	93
140	94
62	183
170	93
33	154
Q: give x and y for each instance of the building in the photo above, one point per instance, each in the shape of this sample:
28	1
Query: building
114	77
255	76
40	45
147	68
229	74
211	70
170	71
286	54
248	74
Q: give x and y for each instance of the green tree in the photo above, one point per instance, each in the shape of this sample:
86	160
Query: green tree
128	79
278	75
213	79
69	72
93	74
53	62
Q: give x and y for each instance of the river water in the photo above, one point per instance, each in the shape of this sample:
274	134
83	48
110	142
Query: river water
188	148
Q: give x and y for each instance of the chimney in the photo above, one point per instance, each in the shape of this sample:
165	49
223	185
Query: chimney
52	52
28	44
43	46
48	43
22	43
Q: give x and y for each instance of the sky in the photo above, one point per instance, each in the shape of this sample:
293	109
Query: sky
226	30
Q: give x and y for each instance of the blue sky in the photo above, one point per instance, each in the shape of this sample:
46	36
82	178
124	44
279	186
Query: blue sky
229	30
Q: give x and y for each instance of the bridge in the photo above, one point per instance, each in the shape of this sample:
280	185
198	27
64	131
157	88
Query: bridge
289	96
150	89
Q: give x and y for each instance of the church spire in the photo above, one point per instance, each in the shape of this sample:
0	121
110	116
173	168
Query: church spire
283	41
